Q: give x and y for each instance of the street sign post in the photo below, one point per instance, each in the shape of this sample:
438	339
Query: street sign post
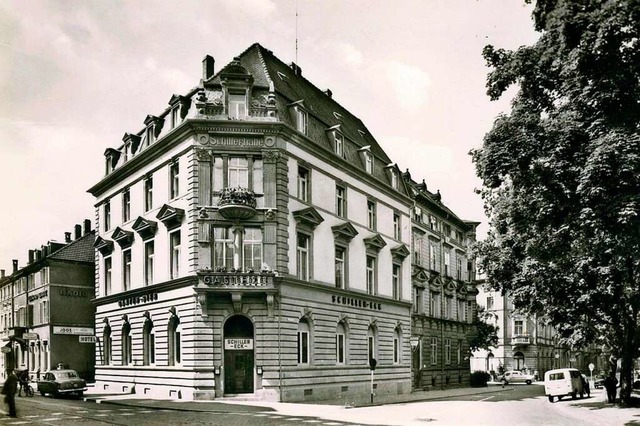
591	367
5	349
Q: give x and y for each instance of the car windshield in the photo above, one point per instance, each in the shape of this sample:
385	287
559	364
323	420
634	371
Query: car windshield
62	375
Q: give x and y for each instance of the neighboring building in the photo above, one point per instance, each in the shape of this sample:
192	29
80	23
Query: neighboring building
444	291
253	238
527	343
46	312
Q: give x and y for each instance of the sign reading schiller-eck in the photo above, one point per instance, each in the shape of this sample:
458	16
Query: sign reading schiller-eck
358	303
238	344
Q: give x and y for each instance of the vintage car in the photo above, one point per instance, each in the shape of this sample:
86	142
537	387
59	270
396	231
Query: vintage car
57	382
516	377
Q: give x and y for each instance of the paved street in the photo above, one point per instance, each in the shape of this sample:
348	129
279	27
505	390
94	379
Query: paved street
518	404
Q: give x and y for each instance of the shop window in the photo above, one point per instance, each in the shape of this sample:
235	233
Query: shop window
303	342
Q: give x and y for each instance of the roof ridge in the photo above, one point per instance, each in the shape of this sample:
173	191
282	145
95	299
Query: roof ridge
72	243
264	66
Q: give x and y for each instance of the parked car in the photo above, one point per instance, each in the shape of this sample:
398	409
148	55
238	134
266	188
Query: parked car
58	382
598	381
563	382
516	377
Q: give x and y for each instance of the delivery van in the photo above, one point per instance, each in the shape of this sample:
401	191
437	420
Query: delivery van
563	382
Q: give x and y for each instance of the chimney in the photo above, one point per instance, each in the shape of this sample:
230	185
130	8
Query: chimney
15	265
45	251
296	69
1	273
31	255
38	254
78	233
87	226
67	237
329	93
208	67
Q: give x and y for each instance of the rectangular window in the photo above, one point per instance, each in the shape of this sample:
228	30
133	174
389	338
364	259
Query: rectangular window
371	214
252	249
303	347
107	215
302	258
175	116
447	262
489	302
303	184
433	222
368	162
149	249
341	201
107	276
435	305
148	193
518	327
459	272
396	350
417	300
339	145
462	311
394	179
126	270
174	179
459	353
303	118
340	348
417	214
470	274
237	105
149	135
448	307
340	267
447	351
223	248
238	172
396	226
395	281
126	205
434	350
371	274
174	254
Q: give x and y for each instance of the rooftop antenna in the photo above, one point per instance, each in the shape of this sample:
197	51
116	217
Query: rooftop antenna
296	31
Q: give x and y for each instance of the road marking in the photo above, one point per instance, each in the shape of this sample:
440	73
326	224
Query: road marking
484	399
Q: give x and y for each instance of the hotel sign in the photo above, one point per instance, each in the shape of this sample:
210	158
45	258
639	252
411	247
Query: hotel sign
244	344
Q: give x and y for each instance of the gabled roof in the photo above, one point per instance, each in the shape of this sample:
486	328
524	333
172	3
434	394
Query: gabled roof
80	250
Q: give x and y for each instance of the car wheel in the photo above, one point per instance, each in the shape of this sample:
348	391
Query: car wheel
550	398
528	382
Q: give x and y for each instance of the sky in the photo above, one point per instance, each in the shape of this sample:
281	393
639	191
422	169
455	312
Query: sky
76	75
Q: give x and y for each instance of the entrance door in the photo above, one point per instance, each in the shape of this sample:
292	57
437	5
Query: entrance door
238	372
238	355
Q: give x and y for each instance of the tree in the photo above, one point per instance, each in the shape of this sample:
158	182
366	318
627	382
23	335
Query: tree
561	175
485	334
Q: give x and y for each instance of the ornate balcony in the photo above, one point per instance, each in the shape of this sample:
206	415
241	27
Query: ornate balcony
237	203
520	340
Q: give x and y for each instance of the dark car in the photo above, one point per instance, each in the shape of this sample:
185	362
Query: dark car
58	382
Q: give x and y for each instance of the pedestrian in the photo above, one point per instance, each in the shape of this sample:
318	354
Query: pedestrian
9	391
23	379
38	374
610	384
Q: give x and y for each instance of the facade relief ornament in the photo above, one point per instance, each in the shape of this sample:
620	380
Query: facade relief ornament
270	215
270	155
202	213
203	154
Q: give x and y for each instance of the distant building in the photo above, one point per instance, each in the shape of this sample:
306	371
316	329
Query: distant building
253	238
526	343
46	308
444	291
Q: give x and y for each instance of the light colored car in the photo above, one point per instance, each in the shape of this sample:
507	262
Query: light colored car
56	382
516	377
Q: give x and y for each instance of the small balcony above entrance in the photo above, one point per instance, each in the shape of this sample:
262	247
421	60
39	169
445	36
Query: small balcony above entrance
520	340
237	203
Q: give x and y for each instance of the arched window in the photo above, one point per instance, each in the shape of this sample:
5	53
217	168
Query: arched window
397	346
372	343
148	343
175	342
341	344
127	344
304	342
519	359
106	345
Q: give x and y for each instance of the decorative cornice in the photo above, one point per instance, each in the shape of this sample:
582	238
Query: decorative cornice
344	232
400	252
309	217
103	246
122	237
374	243
144	227
170	216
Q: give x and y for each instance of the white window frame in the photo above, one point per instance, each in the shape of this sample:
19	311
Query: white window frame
174	253
303	256
149	262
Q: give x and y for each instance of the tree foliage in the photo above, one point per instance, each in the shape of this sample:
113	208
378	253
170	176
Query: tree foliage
485	334
561	174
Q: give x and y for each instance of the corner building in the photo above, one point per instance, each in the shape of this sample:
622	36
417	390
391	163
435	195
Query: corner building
253	238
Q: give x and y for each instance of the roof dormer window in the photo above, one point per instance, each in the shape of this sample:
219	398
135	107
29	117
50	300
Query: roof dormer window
338	145
367	158
149	138
302	119
237	105
175	116
154	126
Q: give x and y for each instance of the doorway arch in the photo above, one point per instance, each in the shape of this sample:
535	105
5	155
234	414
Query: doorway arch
238	355
519	359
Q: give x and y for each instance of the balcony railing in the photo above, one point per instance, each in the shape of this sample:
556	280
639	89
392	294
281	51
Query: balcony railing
237	203
520	340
